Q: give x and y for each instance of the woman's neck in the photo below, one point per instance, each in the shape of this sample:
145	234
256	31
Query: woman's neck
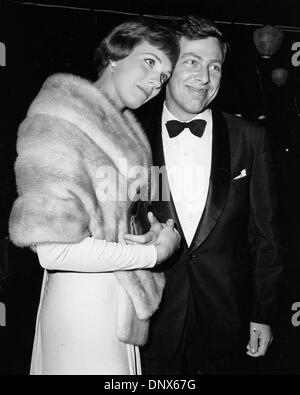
105	84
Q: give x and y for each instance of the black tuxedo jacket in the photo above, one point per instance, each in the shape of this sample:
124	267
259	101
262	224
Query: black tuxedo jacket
230	274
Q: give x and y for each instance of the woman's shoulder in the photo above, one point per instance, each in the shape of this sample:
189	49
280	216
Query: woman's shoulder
66	85
64	80
63	94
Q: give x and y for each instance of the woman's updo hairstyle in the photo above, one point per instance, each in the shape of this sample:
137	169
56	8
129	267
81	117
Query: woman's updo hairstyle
121	41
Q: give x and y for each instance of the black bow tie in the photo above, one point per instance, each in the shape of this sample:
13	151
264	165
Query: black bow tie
196	127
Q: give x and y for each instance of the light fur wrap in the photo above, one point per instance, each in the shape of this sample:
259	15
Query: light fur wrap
71	131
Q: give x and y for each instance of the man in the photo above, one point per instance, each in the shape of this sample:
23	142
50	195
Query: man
223	204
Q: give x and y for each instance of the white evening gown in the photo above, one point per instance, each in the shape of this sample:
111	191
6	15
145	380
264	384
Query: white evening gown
76	321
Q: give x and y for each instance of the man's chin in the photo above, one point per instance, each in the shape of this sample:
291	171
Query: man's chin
194	110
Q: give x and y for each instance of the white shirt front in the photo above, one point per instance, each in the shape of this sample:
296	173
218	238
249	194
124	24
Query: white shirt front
188	165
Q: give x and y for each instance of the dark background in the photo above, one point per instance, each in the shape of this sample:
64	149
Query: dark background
60	37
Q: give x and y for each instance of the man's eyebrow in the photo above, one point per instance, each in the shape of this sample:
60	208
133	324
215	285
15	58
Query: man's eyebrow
189	54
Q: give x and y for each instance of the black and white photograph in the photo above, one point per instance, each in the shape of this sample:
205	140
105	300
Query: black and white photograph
150	190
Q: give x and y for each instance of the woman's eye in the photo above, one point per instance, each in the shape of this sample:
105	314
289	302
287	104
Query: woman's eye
150	62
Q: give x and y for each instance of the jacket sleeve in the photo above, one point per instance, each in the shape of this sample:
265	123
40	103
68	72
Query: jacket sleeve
264	235
93	255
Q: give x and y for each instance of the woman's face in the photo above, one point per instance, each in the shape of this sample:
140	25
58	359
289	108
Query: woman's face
139	77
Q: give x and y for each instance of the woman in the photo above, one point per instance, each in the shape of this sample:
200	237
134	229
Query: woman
79	149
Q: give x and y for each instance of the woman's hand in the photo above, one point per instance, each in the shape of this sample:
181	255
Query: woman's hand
147	238
167	242
165	238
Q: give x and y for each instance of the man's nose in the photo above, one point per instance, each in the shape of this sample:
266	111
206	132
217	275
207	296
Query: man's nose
203	75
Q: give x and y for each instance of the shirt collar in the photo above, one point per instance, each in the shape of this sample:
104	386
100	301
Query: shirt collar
168	116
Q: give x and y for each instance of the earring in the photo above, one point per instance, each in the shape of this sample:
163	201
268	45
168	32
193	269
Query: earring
112	67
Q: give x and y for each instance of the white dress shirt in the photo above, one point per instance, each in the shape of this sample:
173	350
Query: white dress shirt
188	165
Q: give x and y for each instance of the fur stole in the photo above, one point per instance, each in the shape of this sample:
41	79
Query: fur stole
76	153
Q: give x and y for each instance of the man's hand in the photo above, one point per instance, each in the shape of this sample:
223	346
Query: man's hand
260	339
149	237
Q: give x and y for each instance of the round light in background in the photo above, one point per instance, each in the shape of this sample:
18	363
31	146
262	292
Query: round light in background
279	76
267	40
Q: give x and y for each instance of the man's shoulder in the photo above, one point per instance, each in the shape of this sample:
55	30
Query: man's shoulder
149	117
240	122
241	127
151	110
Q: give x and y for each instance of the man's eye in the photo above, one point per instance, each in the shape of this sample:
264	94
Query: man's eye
150	62
216	67
192	62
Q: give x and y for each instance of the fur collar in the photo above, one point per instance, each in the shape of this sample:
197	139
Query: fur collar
72	130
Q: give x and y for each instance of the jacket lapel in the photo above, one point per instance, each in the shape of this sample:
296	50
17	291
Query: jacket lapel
219	181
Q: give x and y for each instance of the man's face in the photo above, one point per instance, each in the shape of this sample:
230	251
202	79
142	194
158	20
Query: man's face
196	78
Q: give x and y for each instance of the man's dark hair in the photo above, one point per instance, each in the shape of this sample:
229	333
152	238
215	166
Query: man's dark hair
194	27
122	40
